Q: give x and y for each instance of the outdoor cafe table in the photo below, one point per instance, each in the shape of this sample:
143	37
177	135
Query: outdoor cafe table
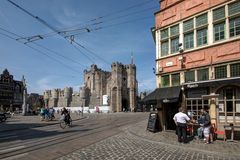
192	127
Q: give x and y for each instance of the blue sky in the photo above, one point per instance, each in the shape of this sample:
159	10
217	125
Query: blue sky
117	30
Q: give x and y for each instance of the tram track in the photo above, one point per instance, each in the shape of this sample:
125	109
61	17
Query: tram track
70	134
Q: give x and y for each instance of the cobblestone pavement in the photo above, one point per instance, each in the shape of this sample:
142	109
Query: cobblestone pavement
135	143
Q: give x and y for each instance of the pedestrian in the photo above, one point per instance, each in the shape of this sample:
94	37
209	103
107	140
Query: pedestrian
206	126
181	120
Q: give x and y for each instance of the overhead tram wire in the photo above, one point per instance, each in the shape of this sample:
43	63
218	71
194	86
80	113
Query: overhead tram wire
60	32
41	46
108	15
41	21
43	53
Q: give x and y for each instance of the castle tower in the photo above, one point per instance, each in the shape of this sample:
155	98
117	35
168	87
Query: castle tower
131	71
54	98
67	96
46	96
116	94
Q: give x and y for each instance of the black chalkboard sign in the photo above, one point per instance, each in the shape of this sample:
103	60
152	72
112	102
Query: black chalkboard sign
152	122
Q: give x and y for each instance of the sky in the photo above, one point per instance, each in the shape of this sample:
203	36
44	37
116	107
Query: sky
52	42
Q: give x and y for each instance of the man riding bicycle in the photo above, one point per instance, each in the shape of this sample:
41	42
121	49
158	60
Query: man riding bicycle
66	115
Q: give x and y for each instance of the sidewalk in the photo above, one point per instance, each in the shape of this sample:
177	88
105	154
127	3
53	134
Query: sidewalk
19	122
170	138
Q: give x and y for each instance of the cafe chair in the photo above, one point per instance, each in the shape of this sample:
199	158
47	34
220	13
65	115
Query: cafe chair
216	132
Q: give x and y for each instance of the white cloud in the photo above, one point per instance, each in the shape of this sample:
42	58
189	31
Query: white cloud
44	84
147	84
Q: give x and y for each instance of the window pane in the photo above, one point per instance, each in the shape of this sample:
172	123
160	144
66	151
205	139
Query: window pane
188	40
234	27
174	30
164	34
221	72
202	74
234	8
201	20
175	79
189	76
174	45
164	48
165	80
219	13
235	70
188	25
202	37
219	31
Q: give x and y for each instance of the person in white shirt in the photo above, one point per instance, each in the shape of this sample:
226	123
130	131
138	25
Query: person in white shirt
181	120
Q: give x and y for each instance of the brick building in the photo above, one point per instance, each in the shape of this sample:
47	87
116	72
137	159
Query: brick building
11	92
198	59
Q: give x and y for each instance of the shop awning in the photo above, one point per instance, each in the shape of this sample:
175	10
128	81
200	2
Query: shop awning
213	83
165	95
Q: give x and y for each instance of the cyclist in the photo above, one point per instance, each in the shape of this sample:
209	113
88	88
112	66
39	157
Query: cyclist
66	115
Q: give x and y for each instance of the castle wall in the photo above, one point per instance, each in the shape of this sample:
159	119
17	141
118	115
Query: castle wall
119	85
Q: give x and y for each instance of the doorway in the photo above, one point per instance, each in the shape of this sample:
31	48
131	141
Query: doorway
170	110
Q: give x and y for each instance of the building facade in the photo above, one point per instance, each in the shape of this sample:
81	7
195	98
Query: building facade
198	59
119	87
11	92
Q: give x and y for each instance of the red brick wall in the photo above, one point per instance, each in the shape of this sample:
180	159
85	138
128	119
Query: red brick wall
212	55
176	10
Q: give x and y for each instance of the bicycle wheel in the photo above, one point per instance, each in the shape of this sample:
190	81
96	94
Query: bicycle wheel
62	124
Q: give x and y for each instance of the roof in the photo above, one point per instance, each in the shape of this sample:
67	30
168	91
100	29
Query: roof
166	95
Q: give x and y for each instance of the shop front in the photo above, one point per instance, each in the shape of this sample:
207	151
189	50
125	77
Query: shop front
167	101
221	97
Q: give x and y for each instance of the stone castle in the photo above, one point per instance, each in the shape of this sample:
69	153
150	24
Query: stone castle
119	87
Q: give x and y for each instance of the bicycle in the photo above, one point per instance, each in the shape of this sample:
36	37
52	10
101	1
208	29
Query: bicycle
63	123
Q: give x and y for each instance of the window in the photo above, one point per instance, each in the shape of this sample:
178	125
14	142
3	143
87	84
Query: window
220	72
234	8
201	20
189	76
202	74
174	31
175	79
164	34
234	27
174	45
188	40
201	37
165	81
188	25
219	14
164	48
219	32
235	70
